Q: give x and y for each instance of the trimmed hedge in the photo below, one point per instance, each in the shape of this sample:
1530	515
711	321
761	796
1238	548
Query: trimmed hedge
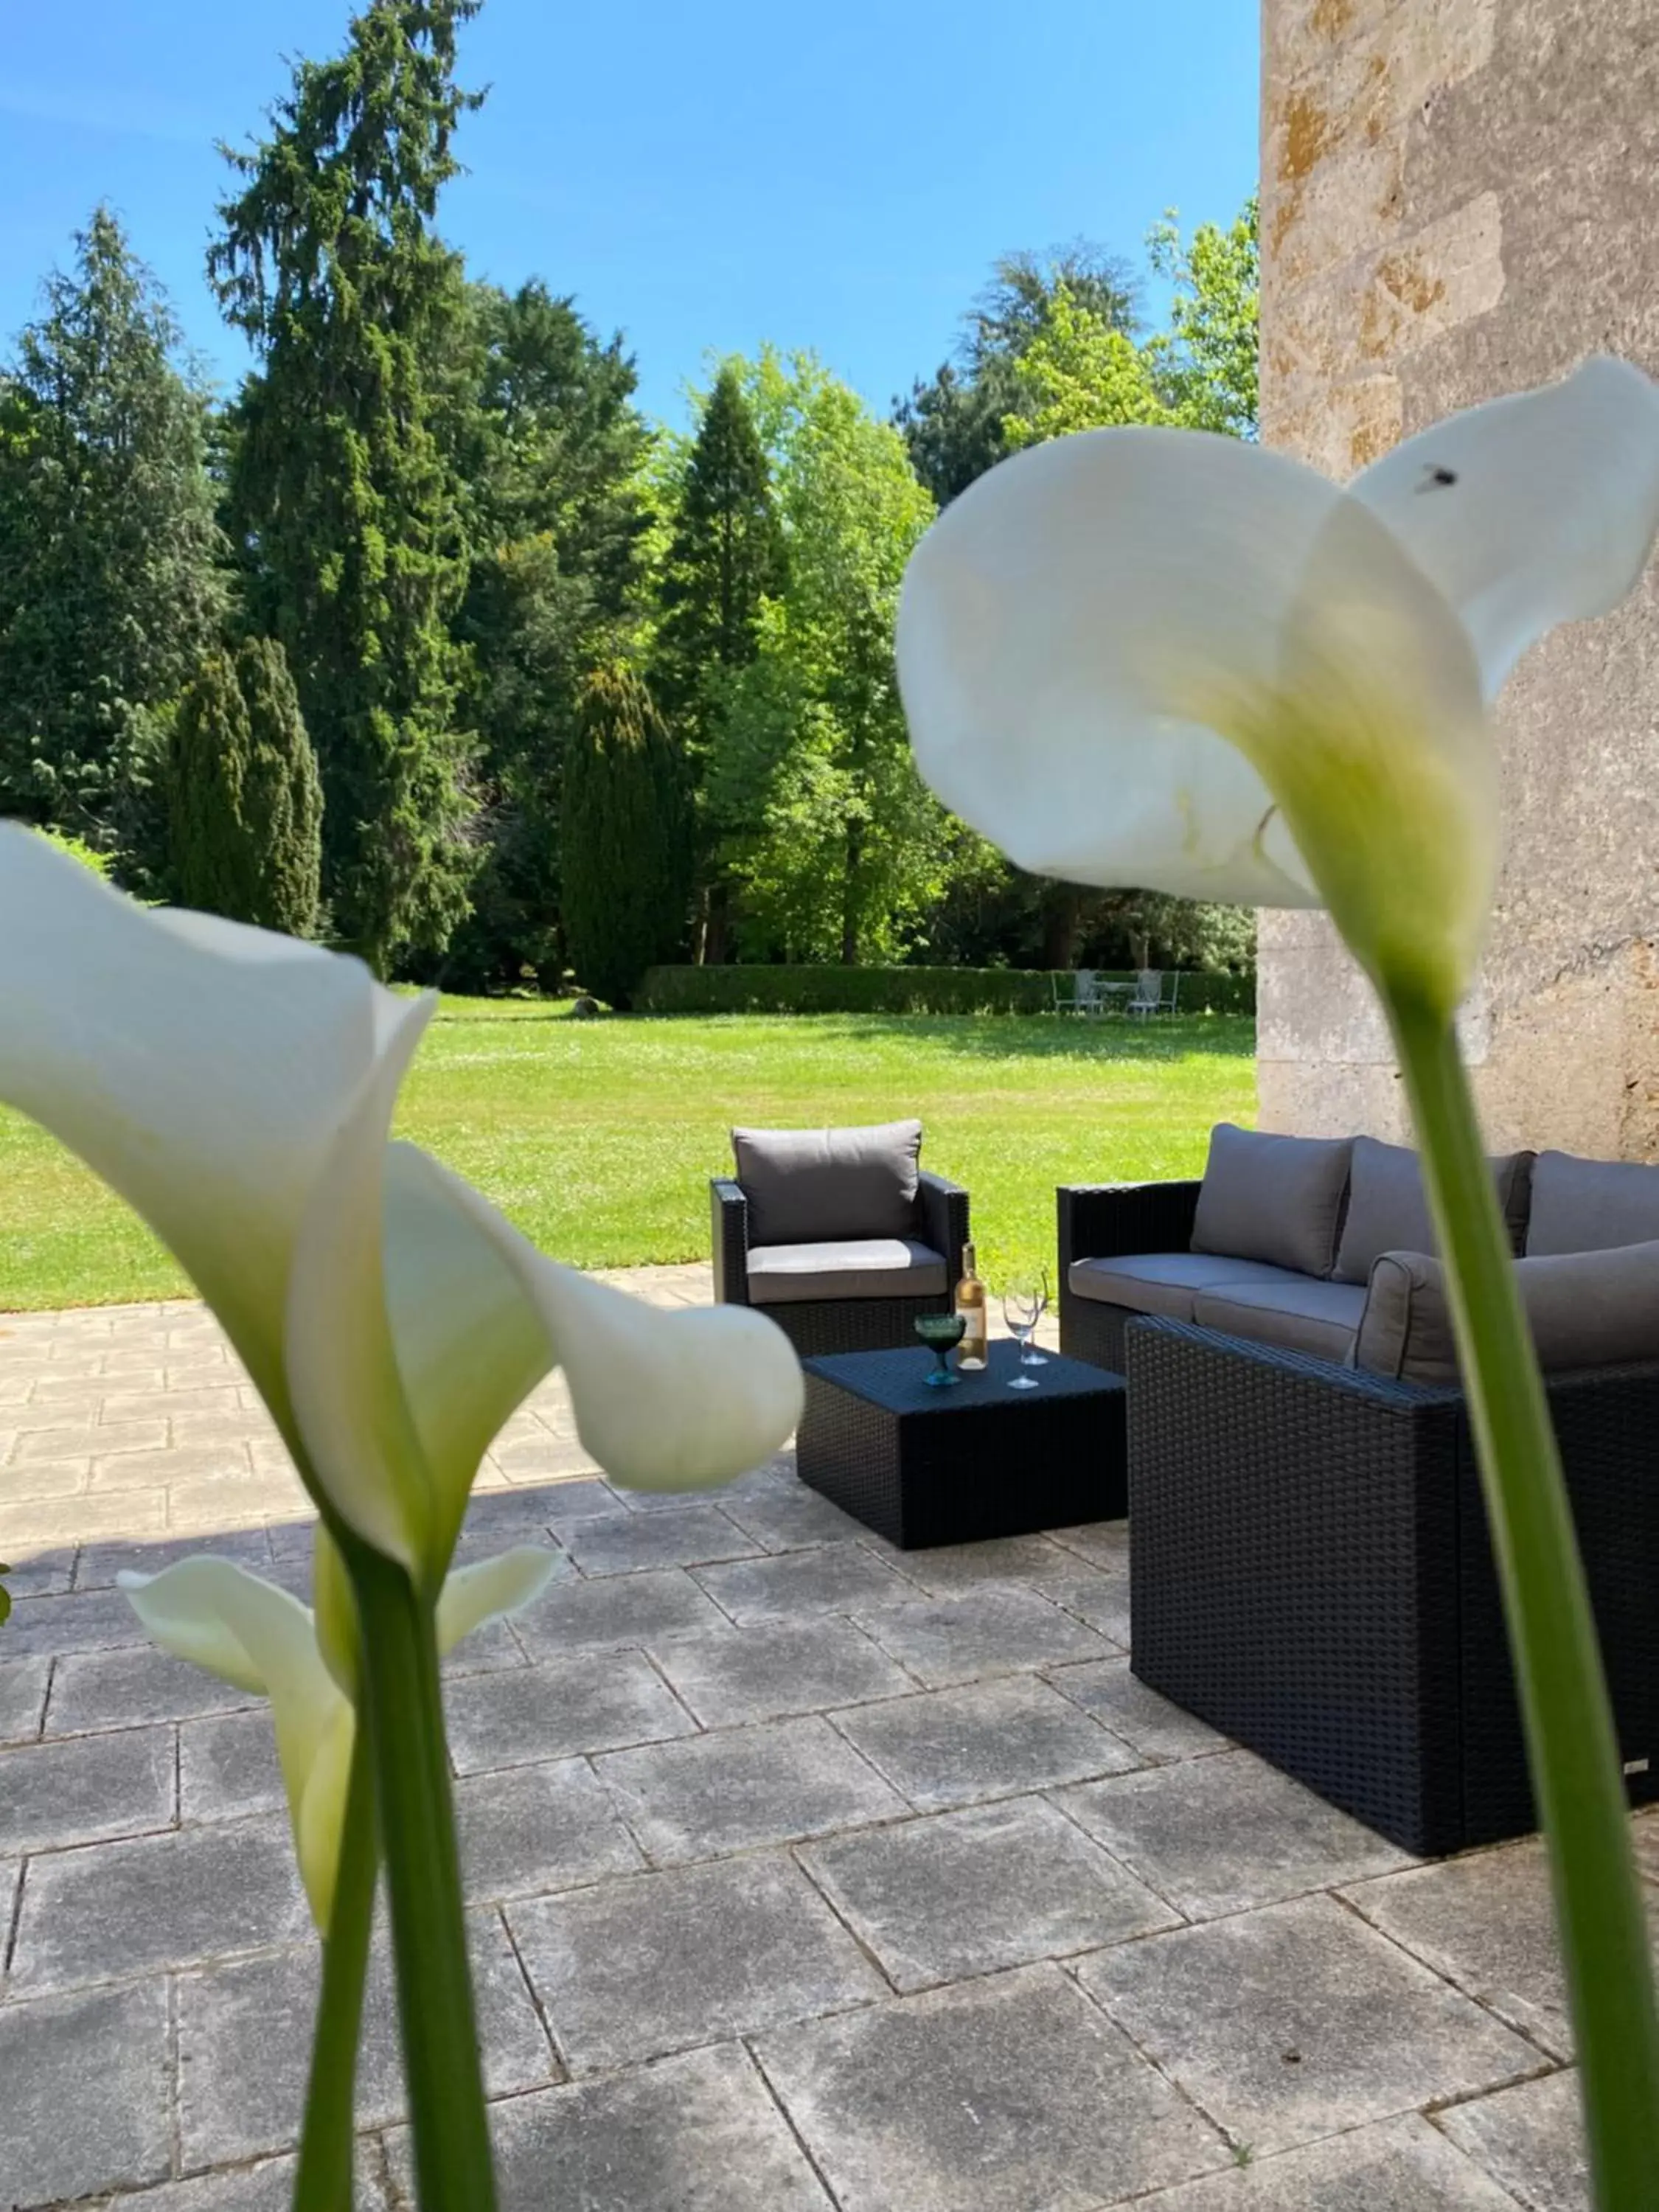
809	990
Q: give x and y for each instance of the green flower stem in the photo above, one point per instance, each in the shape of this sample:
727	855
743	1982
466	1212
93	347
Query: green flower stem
1572	1745
452	2167
323	2183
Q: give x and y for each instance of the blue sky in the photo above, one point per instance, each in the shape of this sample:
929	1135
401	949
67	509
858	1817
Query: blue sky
701	176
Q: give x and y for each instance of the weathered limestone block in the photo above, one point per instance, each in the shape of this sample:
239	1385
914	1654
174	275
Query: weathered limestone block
1459	199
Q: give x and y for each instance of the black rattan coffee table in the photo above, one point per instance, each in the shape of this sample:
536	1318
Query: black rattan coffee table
953	1467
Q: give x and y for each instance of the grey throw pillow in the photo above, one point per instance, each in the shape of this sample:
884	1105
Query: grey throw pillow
818	1186
1388	1207
1589	1206
1584	1309
1277	1199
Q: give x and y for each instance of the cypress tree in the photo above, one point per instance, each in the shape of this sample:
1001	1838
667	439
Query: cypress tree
626	848
244	799
343	495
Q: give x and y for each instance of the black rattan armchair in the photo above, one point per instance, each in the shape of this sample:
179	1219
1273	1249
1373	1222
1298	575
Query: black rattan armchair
1311	1573
815	1326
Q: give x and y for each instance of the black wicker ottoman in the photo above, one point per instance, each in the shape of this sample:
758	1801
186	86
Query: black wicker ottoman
924	1467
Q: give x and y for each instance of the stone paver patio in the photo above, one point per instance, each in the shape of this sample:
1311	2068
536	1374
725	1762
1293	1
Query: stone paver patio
807	1872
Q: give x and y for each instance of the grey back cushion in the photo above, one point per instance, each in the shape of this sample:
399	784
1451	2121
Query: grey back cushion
1584	1309
819	1186
1388	1207
1588	1205
1277	1199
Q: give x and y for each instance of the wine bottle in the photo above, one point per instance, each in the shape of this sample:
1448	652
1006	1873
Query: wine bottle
970	1304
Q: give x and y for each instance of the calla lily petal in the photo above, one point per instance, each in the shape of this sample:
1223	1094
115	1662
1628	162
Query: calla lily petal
111	1014
489	1590
1077	631
1532	510
250	1633
663	1401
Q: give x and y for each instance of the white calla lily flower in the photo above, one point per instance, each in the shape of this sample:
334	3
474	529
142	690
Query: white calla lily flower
237	1088
260	1638
1165	659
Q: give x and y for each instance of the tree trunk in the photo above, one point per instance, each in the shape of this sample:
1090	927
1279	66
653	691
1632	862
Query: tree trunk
1061	912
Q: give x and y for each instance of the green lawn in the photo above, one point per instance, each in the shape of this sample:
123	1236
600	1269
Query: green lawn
597	1137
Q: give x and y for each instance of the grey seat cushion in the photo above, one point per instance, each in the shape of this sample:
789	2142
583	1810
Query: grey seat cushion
1278	1200
1585	1309
818	1186
1164	1283
856	1267
1389	1208
1302	1314
1589	1206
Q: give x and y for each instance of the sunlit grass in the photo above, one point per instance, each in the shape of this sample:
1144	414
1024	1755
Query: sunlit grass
599	1138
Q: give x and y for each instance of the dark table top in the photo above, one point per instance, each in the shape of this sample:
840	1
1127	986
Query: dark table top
898	1380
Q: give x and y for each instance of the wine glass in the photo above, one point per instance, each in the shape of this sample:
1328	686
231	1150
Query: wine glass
1031	1356
940	1332
1023	1307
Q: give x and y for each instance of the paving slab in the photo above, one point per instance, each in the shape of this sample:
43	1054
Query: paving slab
593	1702
700	2133
947	1569
265	2186
1160	1731
158	1901
780	1668
533	1829
789	1517
86	2094
969	1892
624	1543
100	1564
1486	1923
662	1962
1396	2165
741	1788
228	1766
615	1611
1101	1543
1531	2139
95	1690
996	1739
23	1697
1003	2094
1223	1835
1099	1598
844	1578
85	1789
245	2044
1299	2020
102	1620
996	1630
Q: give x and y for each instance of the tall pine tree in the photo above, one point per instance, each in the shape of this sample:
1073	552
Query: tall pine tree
244	799
110	587
344	498
625	835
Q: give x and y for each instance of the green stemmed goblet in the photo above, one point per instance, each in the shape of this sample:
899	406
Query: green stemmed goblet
940	1332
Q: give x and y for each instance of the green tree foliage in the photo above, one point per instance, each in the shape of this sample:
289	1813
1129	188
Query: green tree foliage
833	846
1207	358
1081	372
244	797
344	496
625	834
956	422
109	587
724	558
554	453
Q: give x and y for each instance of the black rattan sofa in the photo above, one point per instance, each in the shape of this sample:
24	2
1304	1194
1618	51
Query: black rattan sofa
837	1235
1311	1571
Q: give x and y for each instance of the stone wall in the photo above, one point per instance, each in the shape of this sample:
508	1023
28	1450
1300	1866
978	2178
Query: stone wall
1459	198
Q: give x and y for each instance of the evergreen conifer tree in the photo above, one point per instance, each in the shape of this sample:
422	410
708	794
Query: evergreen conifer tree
727	554
110	589
244	799
626	847
344	492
